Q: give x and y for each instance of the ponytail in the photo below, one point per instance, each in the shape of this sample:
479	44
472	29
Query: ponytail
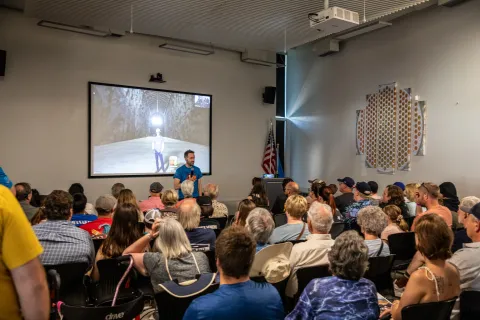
402	223
331	203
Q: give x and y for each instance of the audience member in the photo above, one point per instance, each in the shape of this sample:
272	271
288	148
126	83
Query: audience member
37	199
23	285
345	295
154	201
311	197
410	190
188	172
260	224
200	238
374	195
399	184
187	188
219	209
279	204
123	233
259	196
346	198
461	238
314	251
80	217
395	222
105	206
295	229
256	180
39	217
62	242
450	200
393	195
206	211
333	187
427	196
24	196
116	188
127	196
244	208
436	280
372	222
361	196
169	200
238	297
324	194
5	181
78	188
173	259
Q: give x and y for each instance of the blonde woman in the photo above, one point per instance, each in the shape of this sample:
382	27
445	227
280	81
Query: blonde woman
219	209
413	208
295	208
174	258
127	196
169	200
395	222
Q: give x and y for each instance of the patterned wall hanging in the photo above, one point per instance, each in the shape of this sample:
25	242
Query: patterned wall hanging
404	125
360	141
387	135
419	125
371	131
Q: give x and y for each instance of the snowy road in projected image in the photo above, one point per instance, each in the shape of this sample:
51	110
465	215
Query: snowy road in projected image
137	157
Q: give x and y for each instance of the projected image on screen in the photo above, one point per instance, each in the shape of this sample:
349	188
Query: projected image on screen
137	131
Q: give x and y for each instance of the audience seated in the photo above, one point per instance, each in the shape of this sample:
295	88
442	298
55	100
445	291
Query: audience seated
333	187
410	191
105	205
173	258
279	204
314	251
122	234
62	242
427	196
78	188
24	196
346	198
238	297
201	239
311	197
206	211
399	184
219	209
80	217
393	195
345	295
372	222
116	188
295	229
153	201
127	196
324	194
259	196
395	222
244	208
187	188
169	200
450	200
374	195
437	280
260	224
460	237
361	197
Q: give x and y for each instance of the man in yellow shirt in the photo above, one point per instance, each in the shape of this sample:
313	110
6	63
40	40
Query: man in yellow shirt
23	285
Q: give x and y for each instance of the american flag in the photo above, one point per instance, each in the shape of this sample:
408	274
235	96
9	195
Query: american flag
269	164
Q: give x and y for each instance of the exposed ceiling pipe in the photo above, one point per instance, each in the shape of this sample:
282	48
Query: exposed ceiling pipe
326	4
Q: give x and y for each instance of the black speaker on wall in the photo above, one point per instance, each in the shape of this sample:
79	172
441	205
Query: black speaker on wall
269	95
3	62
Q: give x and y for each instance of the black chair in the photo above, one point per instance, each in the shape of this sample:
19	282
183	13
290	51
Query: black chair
212	261
97	244
305	275
280	219
217	232
469	305
222	221
67	283
433	310
379	272
402	245
111	271
337	229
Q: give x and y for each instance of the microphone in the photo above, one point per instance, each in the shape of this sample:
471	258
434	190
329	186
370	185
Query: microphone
192	173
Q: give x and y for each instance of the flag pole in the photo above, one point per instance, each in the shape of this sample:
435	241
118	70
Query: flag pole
271	142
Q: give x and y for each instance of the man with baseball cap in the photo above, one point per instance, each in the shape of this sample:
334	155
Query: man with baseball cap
105	206
343	201
154	201
361	196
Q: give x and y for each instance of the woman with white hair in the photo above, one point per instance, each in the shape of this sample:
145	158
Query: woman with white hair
372	222
260	224
219	209
174	258
187	188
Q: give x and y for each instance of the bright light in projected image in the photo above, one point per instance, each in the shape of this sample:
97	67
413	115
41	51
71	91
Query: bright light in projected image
157	121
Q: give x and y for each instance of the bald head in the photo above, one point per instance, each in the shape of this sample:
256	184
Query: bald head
23	191
292	188
320	218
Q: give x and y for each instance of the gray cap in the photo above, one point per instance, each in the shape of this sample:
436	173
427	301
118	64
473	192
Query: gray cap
156	187
106	202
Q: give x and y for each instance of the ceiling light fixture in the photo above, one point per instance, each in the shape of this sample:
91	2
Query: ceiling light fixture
187	48
66	27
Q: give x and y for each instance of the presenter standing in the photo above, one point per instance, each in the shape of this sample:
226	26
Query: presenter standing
188	172
158	145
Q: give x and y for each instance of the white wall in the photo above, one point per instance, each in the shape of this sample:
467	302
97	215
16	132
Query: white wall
44	106
436	52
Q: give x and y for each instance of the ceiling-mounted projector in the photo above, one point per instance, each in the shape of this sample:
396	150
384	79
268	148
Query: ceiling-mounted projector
333	20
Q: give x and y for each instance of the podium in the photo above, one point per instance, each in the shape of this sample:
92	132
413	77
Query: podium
273	188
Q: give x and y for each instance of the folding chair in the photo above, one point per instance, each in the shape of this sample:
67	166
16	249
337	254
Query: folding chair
469	305
379	272
337	229
111	272
67	282
280	219
305	275
402	245
433	310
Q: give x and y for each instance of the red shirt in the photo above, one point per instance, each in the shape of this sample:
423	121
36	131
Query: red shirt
151	203
98	225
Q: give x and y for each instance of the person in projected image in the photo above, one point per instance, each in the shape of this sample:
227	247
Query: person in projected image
188	172
158	145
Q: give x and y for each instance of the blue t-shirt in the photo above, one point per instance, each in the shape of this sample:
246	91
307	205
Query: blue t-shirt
333	298
247	300
79	219
182	174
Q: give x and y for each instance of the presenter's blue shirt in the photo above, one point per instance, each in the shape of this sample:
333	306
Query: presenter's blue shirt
247	300
182	174
79	219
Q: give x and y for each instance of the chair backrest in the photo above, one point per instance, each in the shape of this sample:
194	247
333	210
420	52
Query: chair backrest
222	221
71	288
111	271
433	310
280	219
97	243
337	229
379	272
402	245
469	305
305	275
212	261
